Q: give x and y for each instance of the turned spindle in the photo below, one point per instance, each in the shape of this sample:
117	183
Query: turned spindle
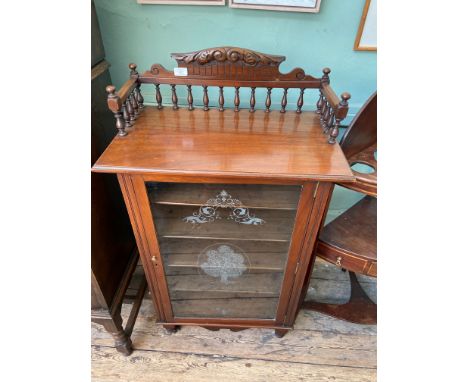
206	100
268	101
236	99
130	110
158	96
132	68
334	131
120	124
300	101
324	107
115	104
326	115
189	97
252	100
134	102
343	105
319	103
126	115
284	101
330	122
221	99
174	98
139	97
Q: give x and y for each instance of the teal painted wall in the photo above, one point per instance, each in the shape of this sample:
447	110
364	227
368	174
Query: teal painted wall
147	34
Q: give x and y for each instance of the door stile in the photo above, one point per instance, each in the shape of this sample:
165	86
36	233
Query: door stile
305	285
304	209
134	191
154	258
307	256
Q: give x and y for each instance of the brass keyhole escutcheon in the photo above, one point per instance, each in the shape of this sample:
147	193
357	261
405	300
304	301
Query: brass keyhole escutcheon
338	261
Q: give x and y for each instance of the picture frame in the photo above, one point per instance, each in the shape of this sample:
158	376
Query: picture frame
310	6
366	37
183	2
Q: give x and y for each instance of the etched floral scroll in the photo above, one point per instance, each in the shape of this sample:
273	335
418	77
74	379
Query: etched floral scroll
209	212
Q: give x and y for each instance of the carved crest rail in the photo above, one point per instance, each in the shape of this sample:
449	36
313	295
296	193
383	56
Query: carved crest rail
228	67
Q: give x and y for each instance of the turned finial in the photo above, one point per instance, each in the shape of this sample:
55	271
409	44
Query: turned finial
132	68
344	98
325	77
110	89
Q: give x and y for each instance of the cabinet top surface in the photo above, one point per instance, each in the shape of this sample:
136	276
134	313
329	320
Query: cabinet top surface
274	145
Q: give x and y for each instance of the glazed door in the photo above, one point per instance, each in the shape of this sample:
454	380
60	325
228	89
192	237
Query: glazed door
224	247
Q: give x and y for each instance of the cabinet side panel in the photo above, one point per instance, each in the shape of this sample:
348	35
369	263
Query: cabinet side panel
112	241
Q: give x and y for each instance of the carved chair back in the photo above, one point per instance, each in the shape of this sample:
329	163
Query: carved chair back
359	144
228	67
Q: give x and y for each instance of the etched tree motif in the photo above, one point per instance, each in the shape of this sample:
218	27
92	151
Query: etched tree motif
223	263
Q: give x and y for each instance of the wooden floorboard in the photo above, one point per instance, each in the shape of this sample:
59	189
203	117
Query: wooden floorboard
320	348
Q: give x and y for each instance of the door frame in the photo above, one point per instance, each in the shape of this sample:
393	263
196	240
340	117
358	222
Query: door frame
311	203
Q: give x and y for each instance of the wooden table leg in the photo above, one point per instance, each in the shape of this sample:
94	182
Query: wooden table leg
360	309
122	341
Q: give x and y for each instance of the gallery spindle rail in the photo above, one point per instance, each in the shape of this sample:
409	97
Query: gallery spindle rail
228	67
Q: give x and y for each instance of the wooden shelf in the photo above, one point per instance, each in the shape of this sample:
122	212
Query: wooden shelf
181	256
187	264
181	246
251	195
262	308
169	224
188	287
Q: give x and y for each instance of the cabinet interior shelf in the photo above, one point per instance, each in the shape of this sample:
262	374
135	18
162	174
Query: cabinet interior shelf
251	196
181	257
203	287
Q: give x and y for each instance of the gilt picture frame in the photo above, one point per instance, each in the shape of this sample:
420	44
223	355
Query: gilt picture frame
366	37
183	2
310	6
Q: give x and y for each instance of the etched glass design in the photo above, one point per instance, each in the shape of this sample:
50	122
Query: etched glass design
223	247
209	211
223	261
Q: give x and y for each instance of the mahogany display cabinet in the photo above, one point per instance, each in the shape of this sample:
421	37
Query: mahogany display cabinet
226	203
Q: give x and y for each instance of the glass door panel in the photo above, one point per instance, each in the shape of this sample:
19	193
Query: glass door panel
224	246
